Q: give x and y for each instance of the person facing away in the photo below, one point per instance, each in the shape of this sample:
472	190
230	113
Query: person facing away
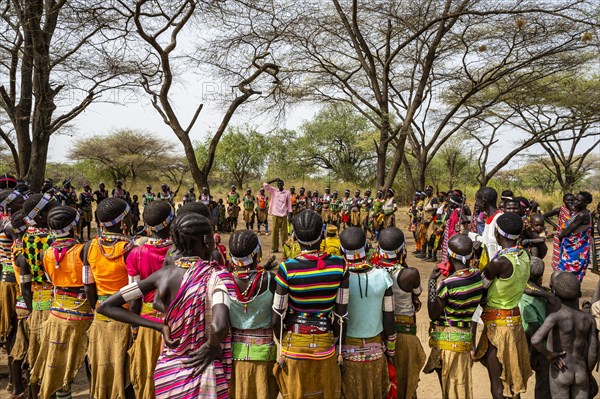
572	347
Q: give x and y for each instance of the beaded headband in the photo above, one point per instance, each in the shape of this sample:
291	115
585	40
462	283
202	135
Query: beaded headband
462	258
165	223
117	219
453	202
385	254
354	254
248	259
11	197
65	230
29	219
307	243
505	234
8	179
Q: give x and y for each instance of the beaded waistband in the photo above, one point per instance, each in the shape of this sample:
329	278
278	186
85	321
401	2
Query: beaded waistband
42	299
406	324
362	350
501	317
8	276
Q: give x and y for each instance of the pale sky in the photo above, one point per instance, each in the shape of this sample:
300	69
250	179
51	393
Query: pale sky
134	111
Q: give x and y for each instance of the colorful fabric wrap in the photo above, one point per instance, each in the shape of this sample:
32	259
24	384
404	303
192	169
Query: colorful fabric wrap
362	349
246	260
253	345
29	219
65	230
406	324
450	339
501	317
308	346
42	296
390	254
165	223
118	219
71	306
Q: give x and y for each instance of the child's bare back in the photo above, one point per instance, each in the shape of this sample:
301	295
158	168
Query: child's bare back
573	340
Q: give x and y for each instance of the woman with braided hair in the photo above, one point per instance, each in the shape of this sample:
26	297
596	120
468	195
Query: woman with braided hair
37	290
410	356
196	360
63	340
310	288
142	262
104	273
254	350
371	331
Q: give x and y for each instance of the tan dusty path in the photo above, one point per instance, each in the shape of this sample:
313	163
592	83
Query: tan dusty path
428	386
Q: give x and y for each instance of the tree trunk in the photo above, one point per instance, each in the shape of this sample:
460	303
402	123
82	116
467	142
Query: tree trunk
382	153
409	176
37	168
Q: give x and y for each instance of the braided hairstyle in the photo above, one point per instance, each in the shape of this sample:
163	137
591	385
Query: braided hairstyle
308	227
353	238
195	207
60	217
156	213
242	243
42	216
391	239
188	230
110	209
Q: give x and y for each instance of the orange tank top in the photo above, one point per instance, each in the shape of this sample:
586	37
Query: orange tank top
68	274
110	274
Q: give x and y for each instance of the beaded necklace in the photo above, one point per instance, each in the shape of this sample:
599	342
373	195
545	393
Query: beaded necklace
185	262
110	239
61	246
251	291
160	242
510	250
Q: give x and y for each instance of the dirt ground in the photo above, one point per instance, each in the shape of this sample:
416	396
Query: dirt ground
428	387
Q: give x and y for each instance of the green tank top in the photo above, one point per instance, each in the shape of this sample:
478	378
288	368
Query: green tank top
506	293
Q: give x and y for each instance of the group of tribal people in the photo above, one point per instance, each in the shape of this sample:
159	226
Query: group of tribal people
163	317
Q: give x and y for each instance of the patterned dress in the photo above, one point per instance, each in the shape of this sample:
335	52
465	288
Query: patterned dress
575	252
189	317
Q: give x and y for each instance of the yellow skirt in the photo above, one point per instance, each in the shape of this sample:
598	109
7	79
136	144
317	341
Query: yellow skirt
367	379
19	349
143	356
36	325
303	378
8	301
64	345
457	380
513	354
253	380
409	360
109	342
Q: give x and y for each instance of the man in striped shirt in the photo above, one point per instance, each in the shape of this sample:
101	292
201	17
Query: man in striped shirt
451	305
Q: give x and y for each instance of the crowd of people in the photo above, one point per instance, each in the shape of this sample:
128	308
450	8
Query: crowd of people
168	311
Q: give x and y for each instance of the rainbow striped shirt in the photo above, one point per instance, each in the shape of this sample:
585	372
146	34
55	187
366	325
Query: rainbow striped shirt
312	290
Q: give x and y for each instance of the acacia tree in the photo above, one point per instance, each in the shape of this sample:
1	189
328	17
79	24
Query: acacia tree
242	154
338	139
58	57
391	59
125	154
557	114
159	27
